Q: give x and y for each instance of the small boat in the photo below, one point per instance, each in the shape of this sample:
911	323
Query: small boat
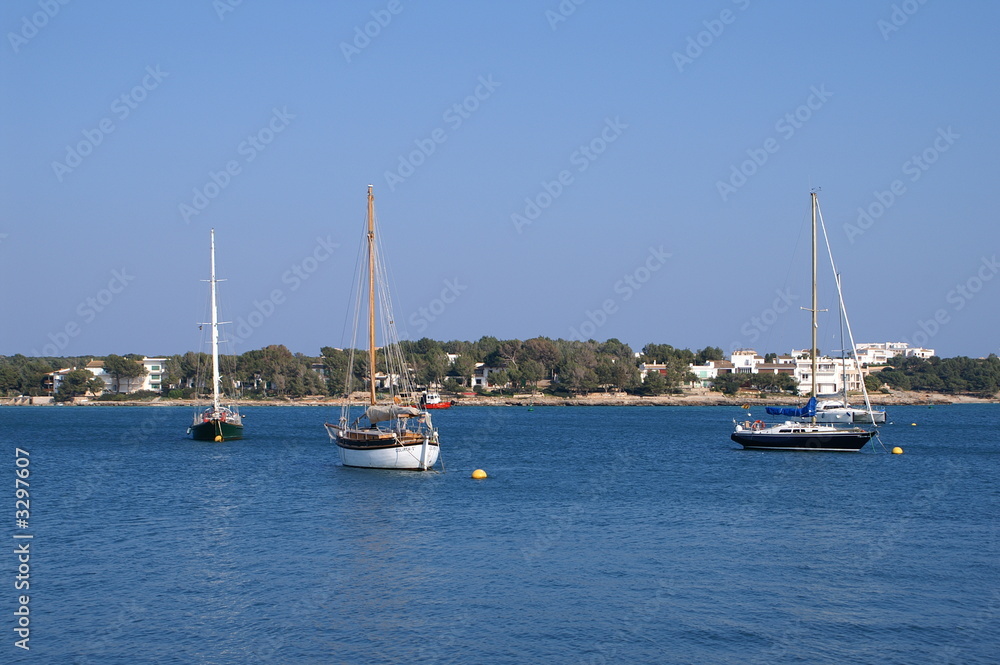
796	434
217	422
395	434
838	411
429	400
803	430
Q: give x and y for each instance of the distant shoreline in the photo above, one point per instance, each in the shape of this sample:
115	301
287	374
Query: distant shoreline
896	398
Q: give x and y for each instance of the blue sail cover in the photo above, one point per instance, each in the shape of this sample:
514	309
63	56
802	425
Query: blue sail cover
807	411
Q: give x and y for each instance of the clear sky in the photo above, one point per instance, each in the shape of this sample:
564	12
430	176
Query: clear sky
605	169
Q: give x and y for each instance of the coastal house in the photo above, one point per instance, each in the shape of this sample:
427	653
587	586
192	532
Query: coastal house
745	361
646	368
52	380
879	353
832	374
710	371
153	380
155	374
481	375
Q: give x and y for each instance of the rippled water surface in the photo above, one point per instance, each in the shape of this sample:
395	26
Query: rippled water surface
607	534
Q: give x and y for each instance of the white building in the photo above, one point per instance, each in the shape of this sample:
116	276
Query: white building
708	372
481	375
53	380
879	353
831	373
152	380
745	361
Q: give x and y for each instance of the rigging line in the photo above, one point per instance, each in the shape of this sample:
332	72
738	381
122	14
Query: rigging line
356	288
847	321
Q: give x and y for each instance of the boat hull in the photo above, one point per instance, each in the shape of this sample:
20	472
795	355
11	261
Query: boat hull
210	429
844	416
382	450
438	405
876	417
841	442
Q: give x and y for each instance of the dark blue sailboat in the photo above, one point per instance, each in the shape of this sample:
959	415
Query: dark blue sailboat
805	436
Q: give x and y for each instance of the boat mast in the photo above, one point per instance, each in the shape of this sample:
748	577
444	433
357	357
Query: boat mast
371	296
215	335
815	304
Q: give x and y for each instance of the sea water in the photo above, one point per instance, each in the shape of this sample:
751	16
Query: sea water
602	535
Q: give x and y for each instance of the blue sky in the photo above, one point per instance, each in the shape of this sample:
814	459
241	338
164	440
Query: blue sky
601	169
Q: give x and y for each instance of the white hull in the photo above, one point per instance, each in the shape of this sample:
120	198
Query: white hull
410	457
843	416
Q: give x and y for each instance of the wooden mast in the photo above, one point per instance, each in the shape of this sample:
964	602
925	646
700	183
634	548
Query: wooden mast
371	296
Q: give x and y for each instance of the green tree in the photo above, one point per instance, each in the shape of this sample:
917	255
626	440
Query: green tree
433	367
709	353
728	384
873	382
544	352
532	372
125	370
10	379
498	379
654	384
462	369
335	365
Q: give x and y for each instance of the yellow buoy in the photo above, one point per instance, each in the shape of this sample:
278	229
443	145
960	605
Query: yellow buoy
897	451
914	424
218	438
478	474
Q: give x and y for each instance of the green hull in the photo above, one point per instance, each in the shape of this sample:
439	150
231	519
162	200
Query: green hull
208	431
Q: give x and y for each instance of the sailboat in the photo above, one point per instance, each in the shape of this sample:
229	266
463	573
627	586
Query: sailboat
839	410
802	430
217	422
395	434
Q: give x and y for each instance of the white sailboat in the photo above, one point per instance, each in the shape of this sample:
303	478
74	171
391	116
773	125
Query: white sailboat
395	434
802	430
217	422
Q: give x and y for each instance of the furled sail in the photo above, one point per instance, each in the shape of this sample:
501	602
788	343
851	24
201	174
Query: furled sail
378	414
807	411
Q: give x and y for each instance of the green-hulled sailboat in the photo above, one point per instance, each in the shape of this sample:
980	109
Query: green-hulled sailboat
217	422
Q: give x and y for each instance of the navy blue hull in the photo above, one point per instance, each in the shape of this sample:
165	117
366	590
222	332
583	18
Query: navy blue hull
817	441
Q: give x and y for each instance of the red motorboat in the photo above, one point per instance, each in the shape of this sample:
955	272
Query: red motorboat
433	401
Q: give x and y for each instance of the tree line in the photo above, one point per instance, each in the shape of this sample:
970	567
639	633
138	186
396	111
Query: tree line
557	365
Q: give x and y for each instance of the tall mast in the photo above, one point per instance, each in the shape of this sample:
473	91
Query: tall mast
815	303
215	335
371	296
